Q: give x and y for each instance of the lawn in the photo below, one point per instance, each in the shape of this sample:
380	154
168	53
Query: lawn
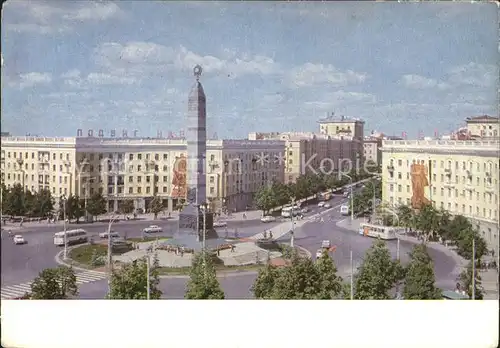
83	254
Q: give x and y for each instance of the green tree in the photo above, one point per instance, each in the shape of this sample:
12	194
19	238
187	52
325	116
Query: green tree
97	205
203	283
74	207
265	199
427	222
377	274
264	283
156	206
419	277
406	216
130	281
464	244
127	207
43	203
15	203
330	284
298	281
54	284
465	279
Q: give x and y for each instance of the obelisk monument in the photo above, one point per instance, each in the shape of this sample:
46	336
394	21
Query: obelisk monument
191	217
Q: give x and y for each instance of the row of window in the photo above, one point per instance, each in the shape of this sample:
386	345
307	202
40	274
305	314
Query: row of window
19	155
465	165
487	213
445	178
486	197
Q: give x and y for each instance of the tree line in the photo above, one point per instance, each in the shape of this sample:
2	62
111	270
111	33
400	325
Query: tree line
277	194
17	201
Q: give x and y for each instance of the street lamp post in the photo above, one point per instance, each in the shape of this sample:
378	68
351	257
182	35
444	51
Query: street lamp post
473	268
352	197
352	275
110	247
64	200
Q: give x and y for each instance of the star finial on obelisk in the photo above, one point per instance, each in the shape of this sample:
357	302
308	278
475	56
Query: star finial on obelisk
197	72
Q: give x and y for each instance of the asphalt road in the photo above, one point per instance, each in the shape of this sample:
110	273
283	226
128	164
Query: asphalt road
22	263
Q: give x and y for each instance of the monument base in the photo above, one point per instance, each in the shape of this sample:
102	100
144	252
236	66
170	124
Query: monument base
193	221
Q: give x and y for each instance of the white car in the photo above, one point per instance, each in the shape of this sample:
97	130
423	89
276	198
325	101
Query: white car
104	235
327	205
325	244
152	229
319	253
18	239
268	218
220	223
321	204
304	210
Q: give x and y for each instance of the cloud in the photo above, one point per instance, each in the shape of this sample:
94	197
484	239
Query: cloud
145	58
475	75
422	82
56	17
30	80
71	74
107	79
309	75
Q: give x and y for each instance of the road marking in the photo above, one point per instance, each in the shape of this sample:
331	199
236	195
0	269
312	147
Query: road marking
13	291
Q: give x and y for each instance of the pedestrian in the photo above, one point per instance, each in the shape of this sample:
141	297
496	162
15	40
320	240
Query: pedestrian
265	234
182	252
244	216
232	248
218	251
270	235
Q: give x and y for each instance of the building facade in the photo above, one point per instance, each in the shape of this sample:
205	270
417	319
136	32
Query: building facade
371	150
485	127
458	176
308	152
137	169
342	126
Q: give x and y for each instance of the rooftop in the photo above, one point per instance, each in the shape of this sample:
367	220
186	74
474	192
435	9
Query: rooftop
483	118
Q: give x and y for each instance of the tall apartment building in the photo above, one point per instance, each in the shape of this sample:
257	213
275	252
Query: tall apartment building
484	127
135	168
371	149
306	152
458	176
342	126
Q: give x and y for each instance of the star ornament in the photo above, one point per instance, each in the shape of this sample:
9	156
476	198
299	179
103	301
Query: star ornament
262	158
280	159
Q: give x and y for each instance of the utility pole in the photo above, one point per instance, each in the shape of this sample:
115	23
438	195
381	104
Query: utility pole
204	237
352	202
473	268
65	231
110	261
352	275
397	257
148	281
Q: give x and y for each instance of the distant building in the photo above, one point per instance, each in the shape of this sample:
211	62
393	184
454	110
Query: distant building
371	150
306	150
137	168
483	127
342	126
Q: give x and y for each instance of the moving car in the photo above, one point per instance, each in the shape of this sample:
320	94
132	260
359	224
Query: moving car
327	205
319	253
344	210
220	223
321	204
325	244
268	218
346	194
18	239
304	210
152	229
104	235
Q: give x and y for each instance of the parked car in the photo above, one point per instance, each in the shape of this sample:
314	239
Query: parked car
152	229
18	239
304	210
220	223
321	204
113	234
327	206
268	218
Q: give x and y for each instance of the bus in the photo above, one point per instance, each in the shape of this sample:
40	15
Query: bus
287	212
72	237
344	209
377	231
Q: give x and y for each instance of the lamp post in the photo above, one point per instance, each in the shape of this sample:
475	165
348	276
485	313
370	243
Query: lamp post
352	197
473	268
148	270
83	168
110	246
65	201
352	275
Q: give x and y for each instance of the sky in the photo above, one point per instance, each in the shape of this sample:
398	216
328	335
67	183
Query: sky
267	66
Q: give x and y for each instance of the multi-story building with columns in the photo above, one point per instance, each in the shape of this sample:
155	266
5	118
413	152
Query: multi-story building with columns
138	168
461	177
307	152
